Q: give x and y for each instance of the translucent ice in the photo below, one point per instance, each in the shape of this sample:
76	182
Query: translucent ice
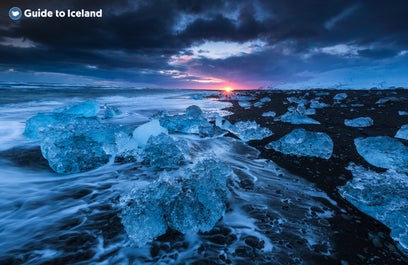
269	114
86	109
111	112
340	96
359	122
163	152
262	101
244	104
246	130
294	117
384	152
403	132
315	104
190	122
300	142
383	196
72	139
142	133
188	201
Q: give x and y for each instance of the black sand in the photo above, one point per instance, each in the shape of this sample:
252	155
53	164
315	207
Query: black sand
359	239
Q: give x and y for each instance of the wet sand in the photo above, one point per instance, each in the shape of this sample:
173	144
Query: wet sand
359	239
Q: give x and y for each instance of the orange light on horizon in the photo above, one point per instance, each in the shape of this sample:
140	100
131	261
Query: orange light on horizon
228	89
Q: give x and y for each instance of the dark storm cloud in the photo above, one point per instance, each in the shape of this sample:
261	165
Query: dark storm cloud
144	35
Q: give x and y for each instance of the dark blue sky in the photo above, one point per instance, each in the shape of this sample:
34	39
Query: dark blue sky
210	44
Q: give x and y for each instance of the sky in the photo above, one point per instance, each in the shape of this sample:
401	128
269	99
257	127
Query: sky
274	44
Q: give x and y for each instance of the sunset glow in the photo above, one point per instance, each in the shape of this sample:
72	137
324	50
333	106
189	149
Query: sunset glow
228	89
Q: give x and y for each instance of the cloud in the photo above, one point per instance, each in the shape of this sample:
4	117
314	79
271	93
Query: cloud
177	42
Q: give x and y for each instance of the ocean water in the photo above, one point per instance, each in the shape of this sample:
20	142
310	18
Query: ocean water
272	216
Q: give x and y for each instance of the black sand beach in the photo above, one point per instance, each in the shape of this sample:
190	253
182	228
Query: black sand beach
359	239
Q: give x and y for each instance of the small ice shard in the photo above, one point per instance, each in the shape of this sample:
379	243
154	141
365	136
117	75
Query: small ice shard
72	139
403	132
269	114
162	152
111	112
340	96
294	117
190	122
262	101
383	152
244	104
300	142
402	113
384	196
315	104
300	101
388	99
246	130
86	109
359	122
142	133
192	201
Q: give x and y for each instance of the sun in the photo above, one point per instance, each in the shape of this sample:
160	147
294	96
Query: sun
228	89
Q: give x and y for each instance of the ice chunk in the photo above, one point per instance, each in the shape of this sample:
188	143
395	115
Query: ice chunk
262	101
300	142
246	130
402	113
340	96
72	139
111	112
269	114
389	99
74	153
142	133
294	117
315	104
86	109
403	132
384	152
244	104
192	201
359	122
190	122
383	196
162	152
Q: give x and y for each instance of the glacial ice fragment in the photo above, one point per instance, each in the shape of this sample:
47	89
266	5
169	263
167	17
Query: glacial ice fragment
403	132
300	142
72	139
142	133
245	130
359	122
403	113
384	196
262	101
190	122
340	96
269	114
294	117
163	152
188	200
85	109
315	104
111	112
244	104
383	152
